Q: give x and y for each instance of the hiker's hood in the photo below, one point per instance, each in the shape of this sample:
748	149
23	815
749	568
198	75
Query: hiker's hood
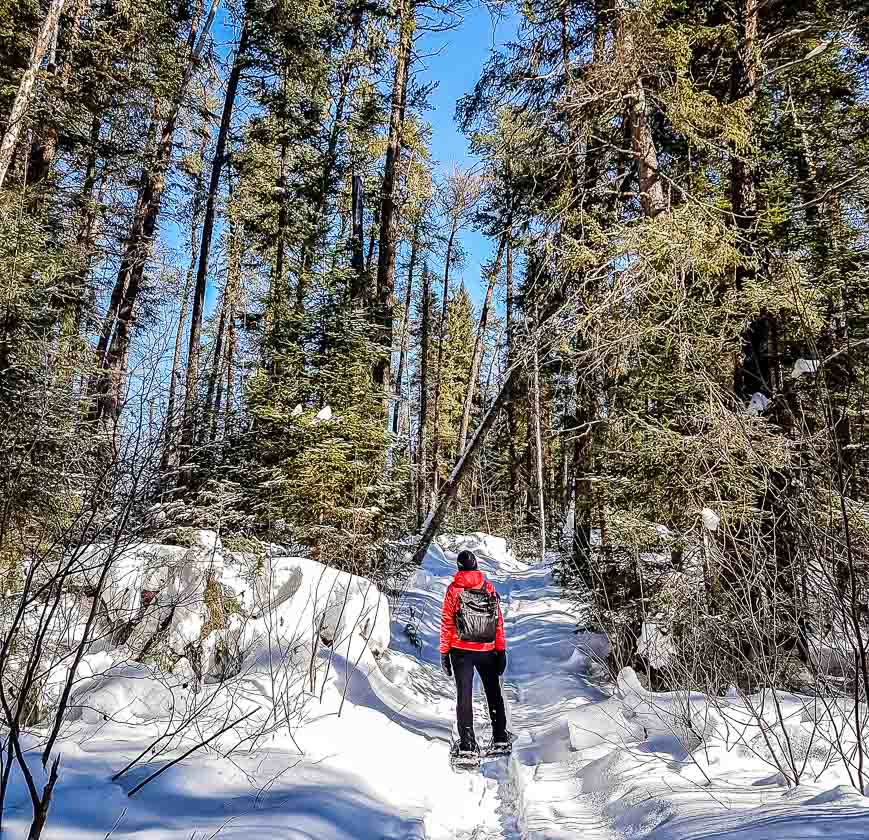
469	580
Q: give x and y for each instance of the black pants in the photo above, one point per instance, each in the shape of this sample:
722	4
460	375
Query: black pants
464	662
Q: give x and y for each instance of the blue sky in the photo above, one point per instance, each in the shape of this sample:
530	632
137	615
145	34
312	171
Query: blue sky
454	60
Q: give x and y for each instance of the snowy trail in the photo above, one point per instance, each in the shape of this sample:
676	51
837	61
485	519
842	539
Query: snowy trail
533	795
542	685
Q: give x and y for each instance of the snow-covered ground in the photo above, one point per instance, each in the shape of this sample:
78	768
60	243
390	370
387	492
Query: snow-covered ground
367	756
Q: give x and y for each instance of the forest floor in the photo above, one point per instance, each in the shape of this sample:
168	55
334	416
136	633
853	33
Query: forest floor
371	760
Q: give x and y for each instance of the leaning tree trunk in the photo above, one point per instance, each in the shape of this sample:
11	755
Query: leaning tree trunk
448	492
477	353
188	433
44	38
388	209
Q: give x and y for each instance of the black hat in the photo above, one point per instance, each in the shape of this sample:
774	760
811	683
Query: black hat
467	561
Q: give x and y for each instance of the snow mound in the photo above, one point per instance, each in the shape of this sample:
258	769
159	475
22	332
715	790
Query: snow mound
601	723
125	694
302	606
251	631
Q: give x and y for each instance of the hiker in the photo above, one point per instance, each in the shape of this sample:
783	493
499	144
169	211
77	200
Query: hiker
472	637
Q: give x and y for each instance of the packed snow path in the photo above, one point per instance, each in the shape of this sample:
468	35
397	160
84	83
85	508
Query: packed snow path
535	793
368	754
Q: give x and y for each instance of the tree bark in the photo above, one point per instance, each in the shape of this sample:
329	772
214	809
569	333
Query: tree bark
20	105
388	215
477	353
643	146
538	438
230	301
422	446
40	814
188	434
512	425
399	376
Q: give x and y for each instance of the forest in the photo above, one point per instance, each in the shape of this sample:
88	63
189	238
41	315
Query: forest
240	294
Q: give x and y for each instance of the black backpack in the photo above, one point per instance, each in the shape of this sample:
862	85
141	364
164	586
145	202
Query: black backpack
477	615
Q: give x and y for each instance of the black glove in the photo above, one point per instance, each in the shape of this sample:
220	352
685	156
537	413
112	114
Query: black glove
446	665
501	661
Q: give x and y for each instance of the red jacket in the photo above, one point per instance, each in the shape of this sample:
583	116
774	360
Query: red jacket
449	637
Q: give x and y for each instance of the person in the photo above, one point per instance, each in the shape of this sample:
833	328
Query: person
459	658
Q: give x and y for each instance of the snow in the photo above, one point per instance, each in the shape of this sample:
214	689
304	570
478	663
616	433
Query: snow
325	413
758	404
711	520
352	721
805	366
654	645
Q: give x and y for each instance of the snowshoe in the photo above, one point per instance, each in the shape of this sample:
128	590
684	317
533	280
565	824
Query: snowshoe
464	759
501	746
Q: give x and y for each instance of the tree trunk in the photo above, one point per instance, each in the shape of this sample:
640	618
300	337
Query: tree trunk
538	438
477	353
358	290
40	808
442	335
231	298
643	147
422	446
43	149
277	286
388	214
512	424
169	457
220	358
579	487
399	376
45	36
216	367
84	240
434	520
744	86
583	502
188	434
